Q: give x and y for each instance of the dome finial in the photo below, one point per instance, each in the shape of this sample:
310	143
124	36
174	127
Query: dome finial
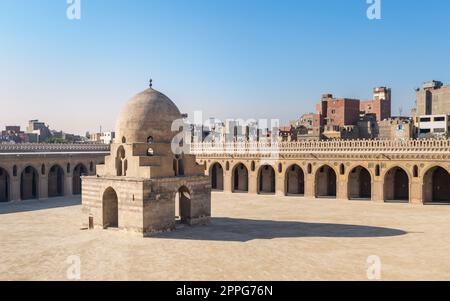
151	82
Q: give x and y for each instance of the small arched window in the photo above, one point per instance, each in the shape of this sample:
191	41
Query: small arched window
150	140
150	152
15	171
175	167
309	168
125	167
68	167
121	153
342	169
416	171
253	166
280	168
377	170
91	166
228	166
43	169
124	140
181	167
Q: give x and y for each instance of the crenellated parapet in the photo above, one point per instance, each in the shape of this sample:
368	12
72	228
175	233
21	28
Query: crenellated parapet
53	148
323	147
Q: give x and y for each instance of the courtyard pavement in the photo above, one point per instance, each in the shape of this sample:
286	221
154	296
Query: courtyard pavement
249	238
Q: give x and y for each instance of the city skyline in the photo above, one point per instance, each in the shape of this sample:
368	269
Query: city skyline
273	63
228	140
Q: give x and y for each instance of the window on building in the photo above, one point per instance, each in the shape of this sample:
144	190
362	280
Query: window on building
425	131
425	119
442	118
440	130
342	169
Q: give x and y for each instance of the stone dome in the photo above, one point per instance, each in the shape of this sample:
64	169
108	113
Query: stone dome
147	114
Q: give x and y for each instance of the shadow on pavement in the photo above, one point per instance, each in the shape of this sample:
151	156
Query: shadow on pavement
243	230
34	205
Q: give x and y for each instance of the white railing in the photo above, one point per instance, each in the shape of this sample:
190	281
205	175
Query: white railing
350	146
53	148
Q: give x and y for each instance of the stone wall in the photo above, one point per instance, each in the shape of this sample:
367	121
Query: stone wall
20	168
417	159
146	206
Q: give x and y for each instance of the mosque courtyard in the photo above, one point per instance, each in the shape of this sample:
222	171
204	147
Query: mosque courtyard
249	238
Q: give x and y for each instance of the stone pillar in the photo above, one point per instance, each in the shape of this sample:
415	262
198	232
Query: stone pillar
416	192
253	182
341	188
43	187
15	188
68	182
227	181
310	186
378	190
279	184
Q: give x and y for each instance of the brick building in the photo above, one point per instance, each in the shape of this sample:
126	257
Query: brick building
380	105
338	111
347	118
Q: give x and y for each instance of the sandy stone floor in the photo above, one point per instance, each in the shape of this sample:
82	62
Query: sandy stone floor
250	238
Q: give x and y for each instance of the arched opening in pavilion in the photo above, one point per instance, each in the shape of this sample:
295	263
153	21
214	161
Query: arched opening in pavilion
295	180
359	184
79	171
240	178
216	174
29	181
396	185
325	182
4	186
55	181
266	180
110	209
183	205
436	185
120	162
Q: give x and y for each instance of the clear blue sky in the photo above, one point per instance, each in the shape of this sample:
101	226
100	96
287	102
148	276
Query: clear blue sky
229	58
